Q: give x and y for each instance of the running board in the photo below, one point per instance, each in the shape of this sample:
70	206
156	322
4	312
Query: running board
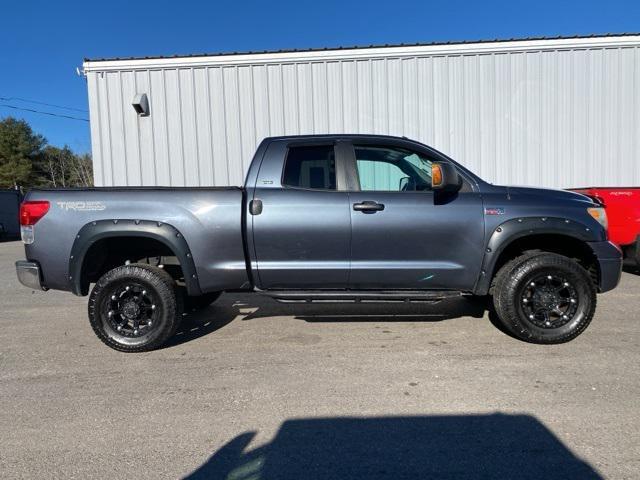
359	296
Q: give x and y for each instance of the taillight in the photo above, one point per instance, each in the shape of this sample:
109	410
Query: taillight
30	213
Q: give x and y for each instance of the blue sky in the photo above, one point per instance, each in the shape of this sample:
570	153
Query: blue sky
44	41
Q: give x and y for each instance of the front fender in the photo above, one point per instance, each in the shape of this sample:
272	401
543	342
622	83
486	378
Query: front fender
514	229
162	232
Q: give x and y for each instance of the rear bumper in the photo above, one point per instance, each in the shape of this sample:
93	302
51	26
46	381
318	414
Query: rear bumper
29	274
609	258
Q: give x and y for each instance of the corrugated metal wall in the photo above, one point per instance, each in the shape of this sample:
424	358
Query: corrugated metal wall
556	118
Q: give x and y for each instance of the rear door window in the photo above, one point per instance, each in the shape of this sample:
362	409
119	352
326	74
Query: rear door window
310	167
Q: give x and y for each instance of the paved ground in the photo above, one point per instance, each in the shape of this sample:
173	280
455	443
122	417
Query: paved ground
255	389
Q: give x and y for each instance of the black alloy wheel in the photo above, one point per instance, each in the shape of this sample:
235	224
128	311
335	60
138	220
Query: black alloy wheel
135	308
544	297
132	309
549	301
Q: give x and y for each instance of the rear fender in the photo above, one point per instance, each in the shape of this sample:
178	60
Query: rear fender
101	229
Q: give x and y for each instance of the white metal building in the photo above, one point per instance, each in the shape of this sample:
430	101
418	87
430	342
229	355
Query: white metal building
561	112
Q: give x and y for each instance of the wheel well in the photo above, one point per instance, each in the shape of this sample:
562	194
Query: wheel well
111	252
561	244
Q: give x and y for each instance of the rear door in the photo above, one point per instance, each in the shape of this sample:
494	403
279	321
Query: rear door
404	235
302	234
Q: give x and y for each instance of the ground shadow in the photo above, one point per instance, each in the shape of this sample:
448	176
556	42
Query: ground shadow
494	446
252	306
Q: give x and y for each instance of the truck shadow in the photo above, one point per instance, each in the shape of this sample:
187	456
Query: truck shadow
251	306
491	446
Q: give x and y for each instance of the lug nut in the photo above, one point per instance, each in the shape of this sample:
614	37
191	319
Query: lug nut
531	317
113	297
149	323
135	332
573	300
118	328
110	314
153	307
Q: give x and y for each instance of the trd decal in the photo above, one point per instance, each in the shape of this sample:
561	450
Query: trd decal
494	211
82	206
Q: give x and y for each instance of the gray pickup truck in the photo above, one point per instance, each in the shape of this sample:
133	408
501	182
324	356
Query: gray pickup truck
323	218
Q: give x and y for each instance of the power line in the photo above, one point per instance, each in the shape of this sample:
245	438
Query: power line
43	113
9	99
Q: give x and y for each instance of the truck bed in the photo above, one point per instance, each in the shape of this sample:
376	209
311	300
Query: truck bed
208	218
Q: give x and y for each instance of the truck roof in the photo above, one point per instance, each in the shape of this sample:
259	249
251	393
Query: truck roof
340	135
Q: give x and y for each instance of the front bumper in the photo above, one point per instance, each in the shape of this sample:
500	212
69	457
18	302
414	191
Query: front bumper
29	275
609	258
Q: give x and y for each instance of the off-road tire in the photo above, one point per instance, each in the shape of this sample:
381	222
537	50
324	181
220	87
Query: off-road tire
513	278
168	307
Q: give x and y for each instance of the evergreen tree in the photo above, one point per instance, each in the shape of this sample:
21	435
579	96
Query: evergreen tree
27	161
20	147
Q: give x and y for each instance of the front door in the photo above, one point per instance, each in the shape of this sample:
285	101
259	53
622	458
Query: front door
405	235
302	234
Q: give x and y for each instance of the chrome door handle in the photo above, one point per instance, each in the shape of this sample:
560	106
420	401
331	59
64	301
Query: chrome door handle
368	206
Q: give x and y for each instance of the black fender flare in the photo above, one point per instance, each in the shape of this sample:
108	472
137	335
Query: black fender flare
516	228
165	233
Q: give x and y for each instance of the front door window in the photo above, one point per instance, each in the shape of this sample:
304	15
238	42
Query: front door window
392	169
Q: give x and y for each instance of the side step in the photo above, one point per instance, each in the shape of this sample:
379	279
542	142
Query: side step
359	296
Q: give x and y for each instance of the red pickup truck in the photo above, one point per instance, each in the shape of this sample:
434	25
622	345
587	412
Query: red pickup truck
623	212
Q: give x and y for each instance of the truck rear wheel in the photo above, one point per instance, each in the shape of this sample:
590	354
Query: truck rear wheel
544	298
135	308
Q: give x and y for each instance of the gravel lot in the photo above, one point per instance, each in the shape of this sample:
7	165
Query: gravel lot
256	390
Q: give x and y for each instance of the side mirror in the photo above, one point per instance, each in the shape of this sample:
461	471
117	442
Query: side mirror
405	183
445	177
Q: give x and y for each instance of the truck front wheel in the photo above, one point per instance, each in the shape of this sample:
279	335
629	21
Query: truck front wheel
544	298
134	308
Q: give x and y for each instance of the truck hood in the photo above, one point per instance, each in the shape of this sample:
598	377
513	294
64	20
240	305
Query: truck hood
550	194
